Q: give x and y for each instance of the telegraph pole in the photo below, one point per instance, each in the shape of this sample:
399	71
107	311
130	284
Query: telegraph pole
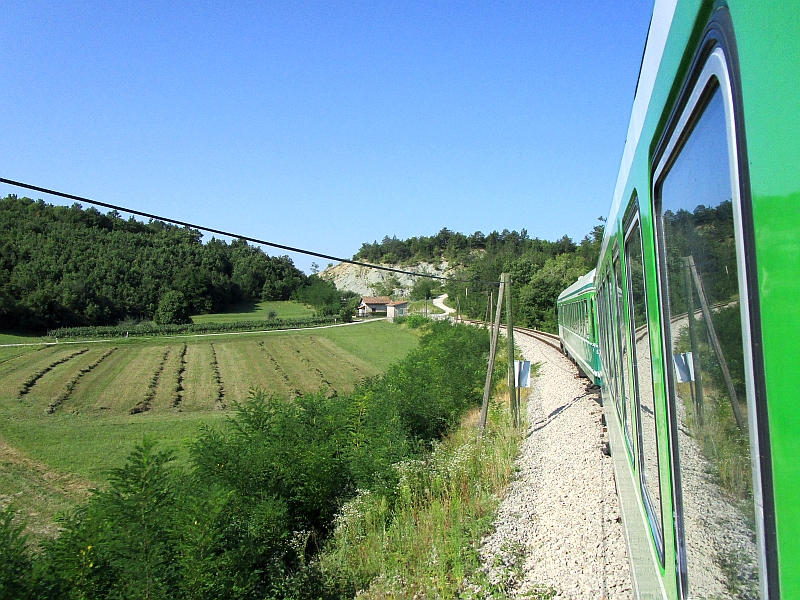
494	331
512	388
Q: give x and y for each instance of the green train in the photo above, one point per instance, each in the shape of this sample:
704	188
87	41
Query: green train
577	326
697	294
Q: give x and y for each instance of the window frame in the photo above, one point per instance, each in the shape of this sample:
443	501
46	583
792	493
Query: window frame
620	323
715	68
634	222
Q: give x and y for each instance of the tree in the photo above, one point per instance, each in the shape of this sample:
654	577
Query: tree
424	288
172	309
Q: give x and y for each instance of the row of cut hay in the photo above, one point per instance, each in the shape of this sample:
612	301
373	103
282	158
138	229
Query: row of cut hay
145	403
195	376
178	395
199	379
31	381
280	373
341	368
58	401
219	403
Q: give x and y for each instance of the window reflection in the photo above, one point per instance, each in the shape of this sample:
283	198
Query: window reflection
707	359
643	381
622	344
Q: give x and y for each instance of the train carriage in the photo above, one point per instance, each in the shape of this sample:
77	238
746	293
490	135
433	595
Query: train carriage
577	327
696	293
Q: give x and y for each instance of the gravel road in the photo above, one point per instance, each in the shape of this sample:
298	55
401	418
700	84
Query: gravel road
558	529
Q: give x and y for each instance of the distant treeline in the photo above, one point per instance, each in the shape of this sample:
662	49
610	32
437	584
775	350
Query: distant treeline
65	266
540	269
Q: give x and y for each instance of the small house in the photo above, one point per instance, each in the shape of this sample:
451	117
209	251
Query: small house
396	309
373	306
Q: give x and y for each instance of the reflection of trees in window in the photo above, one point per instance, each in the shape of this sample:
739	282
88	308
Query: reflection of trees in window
707	356
643	382
622	344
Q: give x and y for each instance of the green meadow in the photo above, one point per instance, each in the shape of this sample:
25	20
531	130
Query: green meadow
70	412
258	310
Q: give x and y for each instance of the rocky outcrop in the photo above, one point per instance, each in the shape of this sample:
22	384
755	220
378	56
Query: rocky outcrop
368	282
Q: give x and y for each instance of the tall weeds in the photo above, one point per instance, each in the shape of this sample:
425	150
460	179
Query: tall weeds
422	541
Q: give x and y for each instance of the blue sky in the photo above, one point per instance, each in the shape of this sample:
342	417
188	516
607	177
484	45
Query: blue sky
324	125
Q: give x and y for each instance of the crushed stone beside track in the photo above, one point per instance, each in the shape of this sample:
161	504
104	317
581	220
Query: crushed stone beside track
558	531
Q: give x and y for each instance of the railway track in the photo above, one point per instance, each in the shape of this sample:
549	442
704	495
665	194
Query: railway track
550	339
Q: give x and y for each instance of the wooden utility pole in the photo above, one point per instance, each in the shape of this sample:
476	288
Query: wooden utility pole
712	334
697	384
487	389
512	388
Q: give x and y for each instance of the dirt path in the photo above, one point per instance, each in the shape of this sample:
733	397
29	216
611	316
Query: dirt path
558	529
439	303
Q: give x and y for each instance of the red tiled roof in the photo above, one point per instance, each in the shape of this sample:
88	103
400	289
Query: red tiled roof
398	303
376	300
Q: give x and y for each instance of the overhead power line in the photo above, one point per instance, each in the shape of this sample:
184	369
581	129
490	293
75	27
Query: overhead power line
139	213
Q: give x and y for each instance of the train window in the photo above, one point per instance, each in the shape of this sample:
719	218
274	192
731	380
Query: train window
707	346
621	339
643	383
611	354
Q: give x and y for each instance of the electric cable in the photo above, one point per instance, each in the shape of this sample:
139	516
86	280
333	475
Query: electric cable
229	234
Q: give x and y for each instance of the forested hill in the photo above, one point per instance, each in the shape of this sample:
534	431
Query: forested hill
63	266
540	269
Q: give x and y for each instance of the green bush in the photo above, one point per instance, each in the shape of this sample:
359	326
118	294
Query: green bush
173	309
16	572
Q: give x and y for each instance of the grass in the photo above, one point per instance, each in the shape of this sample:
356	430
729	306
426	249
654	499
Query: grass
418	306
92	429
257	310
12	338
426	543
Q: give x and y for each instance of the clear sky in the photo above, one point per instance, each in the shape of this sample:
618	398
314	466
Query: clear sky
323	125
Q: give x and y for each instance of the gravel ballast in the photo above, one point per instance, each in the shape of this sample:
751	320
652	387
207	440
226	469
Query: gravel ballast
558	530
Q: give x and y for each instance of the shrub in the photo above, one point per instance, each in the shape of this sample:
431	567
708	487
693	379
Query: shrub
173	309
16	579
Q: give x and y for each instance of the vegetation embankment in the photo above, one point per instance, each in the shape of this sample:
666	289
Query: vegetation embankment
255	515
540	269
152	329
92	430
66	267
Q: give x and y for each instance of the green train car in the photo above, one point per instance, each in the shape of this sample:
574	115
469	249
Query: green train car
698	305
577	326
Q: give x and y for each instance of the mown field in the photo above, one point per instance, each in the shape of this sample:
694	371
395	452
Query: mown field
69	412
258	310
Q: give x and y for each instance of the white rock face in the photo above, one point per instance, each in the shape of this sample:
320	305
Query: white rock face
364	281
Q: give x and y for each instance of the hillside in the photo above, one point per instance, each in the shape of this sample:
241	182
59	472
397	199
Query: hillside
540	269
65	266
367	282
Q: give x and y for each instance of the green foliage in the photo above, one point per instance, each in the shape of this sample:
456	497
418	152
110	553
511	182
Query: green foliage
540	269
148	329
348	310
16	564
65	266
387	287
425	287
425	541
125	541
323	296
173	309
438	381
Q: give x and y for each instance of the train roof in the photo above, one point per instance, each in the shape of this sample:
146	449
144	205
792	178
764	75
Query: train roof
584	284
